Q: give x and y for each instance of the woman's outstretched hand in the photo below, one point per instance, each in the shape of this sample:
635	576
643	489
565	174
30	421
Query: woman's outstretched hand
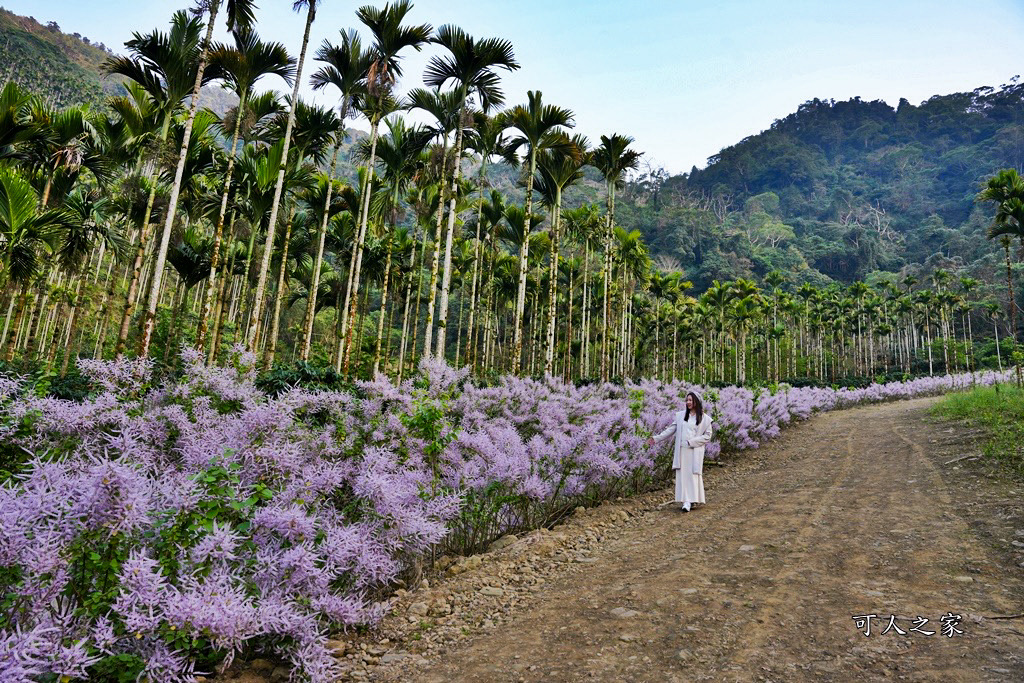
650	441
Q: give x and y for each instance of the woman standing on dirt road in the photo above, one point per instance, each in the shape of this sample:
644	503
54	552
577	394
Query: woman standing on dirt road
692	429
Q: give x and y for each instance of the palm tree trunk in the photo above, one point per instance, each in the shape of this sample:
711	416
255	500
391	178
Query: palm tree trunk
471	347
221	308
361	239
336	359
999	355
212	284
172	206
362	309
383	307
418	303
567	359
428	331
261	284
51	353
307	335
7	318
145	231
275	324
607	280
490	321
1013	307
69	348
462	310
35	320
172	328
517	337
404	346
245	289
585	313
549	355
442	318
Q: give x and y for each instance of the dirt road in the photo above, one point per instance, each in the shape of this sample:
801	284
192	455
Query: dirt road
852	513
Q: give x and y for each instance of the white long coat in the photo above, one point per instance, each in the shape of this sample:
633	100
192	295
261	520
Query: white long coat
688	455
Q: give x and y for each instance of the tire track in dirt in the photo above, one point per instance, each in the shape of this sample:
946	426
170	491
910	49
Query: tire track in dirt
842	515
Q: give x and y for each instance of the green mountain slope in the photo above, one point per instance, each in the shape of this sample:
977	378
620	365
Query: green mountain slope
63	69
838	190
66	69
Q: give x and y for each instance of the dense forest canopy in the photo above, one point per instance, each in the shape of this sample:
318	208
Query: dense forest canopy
838	190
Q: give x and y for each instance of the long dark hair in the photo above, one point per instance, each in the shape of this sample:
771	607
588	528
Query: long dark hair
698	409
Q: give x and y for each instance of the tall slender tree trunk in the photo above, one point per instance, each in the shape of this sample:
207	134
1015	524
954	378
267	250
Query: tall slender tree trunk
245	290
490	318
7	318
418	303
517	333
607	280
307	335
471	345
15	331
337	330
585	323
462	309
144	234
275	324
37	318
383	307
221	309
442	319
172	206
999	355
70	348
364	214
549	355
261	283
428	331
212	284
567	357
1013	308
405	316
172	328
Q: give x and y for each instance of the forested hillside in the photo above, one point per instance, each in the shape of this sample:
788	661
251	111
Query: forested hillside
838	190
65	69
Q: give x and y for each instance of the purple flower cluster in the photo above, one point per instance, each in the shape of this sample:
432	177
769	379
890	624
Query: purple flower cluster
745	419
149	517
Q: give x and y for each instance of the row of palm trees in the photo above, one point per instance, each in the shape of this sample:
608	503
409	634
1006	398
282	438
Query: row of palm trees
136	149
239	228
738	332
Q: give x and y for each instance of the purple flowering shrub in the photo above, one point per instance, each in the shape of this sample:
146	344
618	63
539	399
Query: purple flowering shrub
160	530
160	533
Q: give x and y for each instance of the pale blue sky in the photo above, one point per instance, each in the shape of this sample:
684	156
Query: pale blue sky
684	78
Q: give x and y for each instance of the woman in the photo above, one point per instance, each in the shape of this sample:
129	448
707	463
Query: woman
692	429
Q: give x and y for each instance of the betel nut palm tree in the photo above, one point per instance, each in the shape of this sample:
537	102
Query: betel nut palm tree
346	67
471	67
613	158
239	17
242	66
391	37
268	245
538	126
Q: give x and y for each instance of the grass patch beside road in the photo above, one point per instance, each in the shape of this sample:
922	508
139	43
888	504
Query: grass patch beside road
1000	410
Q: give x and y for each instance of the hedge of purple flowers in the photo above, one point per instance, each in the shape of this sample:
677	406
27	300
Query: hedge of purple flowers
159	531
